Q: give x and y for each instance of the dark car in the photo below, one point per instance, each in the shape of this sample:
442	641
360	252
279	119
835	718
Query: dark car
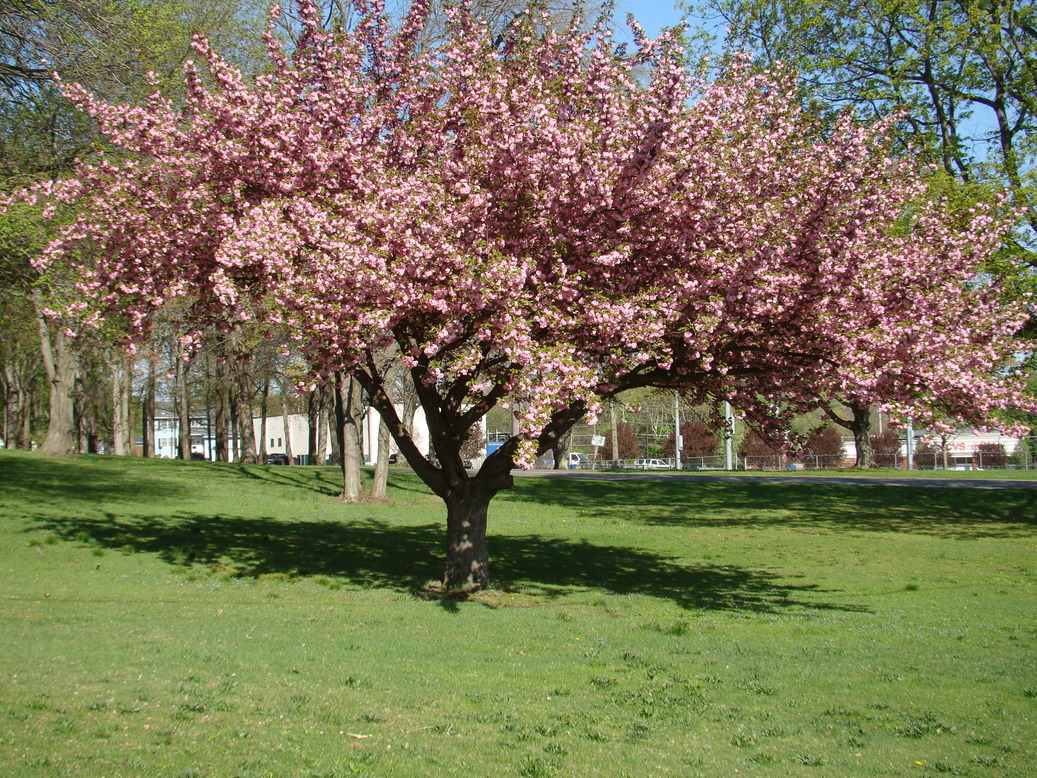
394	458
277	459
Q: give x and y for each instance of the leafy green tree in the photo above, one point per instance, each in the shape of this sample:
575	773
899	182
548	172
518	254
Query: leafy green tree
111	47
960	76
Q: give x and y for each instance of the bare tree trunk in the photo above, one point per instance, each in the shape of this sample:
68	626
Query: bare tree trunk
349	411
287	426
122	420
17	407
323	423
221	407
336	419
243	406
183	410
147	414
379	487
262	422
561	450
313	425
61	365
118	415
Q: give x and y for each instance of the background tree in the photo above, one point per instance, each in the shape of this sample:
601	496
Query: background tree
756	446
825	443
886	446
990	456
536	216
110	47
961	73
629	447
475	444
699	439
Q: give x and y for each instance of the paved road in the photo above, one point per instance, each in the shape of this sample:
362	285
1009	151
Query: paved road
852	480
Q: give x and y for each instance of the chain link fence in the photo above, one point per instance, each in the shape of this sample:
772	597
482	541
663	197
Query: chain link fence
1023	457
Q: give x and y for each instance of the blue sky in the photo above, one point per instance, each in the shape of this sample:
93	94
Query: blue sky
653	15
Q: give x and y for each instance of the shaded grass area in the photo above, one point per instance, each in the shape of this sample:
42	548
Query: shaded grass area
865	508
378	553
194	619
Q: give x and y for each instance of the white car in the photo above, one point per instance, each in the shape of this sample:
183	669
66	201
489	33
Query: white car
651	464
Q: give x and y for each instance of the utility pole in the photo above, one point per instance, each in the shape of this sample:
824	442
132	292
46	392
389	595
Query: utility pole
729	434
678	443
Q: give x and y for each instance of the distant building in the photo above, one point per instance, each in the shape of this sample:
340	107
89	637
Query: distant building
299	431
963	448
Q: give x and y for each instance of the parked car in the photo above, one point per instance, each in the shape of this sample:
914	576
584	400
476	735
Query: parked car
578	459
651	464
277	459
394	458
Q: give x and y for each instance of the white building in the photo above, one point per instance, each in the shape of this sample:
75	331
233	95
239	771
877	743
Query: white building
963	448
298	432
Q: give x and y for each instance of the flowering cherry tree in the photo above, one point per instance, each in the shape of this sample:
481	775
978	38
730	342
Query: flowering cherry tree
539	218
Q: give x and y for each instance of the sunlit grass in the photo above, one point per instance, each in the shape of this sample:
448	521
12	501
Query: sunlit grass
193	619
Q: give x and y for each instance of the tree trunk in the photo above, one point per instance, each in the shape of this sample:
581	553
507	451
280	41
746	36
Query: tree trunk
348	399
287	426
860	426
561	450
17	407
379	487
262	420
221	408
118	416
183	409
243	407
324	400
337	418
122	421
313	423
148	412
59	360
467	557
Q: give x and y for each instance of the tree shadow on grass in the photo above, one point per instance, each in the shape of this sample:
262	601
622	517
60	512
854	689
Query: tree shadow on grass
374	553
34	479
960	513
320	480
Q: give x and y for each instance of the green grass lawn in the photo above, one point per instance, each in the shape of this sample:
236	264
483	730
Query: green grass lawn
199	619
